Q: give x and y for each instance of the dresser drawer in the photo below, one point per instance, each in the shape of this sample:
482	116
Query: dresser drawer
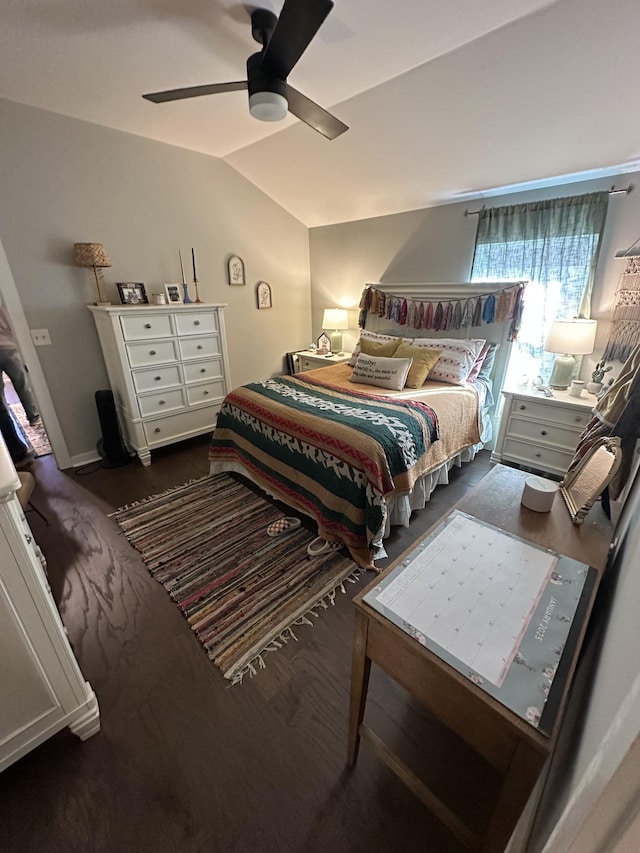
196	324
161	431
160	377
199	347
163	401
200	370
147	354
138	327
537	456
543	433
205	393
567	415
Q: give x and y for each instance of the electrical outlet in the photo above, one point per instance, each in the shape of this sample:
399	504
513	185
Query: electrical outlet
40	337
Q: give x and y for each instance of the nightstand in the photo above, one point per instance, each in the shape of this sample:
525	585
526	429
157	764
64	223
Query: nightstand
541	432
312	360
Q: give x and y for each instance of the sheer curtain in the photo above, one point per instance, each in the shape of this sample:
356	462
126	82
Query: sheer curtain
555	244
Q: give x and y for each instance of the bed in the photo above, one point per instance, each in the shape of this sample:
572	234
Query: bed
357	457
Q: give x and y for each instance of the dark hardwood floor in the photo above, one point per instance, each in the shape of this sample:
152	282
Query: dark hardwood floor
183	761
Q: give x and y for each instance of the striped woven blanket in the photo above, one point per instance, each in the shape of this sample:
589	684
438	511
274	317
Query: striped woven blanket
331	453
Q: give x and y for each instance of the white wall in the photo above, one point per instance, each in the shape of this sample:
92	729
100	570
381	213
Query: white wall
437	245
64	181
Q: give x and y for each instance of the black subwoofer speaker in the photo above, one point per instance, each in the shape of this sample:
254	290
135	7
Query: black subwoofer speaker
110	447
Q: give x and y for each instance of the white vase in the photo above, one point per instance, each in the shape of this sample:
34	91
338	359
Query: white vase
594	387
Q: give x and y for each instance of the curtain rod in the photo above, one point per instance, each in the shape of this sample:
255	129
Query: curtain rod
612	191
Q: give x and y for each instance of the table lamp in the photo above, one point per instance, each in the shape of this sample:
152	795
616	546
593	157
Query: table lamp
93	256
336	319
569	338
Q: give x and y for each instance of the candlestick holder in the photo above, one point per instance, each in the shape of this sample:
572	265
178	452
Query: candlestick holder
197	299
186	298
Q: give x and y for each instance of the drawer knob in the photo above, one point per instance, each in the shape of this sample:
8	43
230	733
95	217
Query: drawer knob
157	378
578	419
152	352
161	402
196	322
203	370
205	393
157	429
543	432
199	346
538	455
147	325
522	407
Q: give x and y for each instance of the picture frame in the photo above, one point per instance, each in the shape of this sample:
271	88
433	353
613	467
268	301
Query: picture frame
263	295
132	293
235	271
323	344
173	293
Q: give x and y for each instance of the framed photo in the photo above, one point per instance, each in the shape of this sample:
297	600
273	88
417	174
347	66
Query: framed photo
263	294
132	293
235	270
174	293
324	344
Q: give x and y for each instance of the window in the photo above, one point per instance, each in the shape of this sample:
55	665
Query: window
554	244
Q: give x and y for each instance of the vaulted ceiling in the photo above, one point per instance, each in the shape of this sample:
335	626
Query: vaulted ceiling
444	100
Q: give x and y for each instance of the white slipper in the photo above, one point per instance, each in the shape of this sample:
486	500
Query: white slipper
283	525
322	546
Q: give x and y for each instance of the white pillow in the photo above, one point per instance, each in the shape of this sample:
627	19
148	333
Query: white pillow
371	336
388	373
456	360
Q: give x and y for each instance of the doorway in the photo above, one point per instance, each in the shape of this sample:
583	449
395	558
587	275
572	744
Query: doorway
33	434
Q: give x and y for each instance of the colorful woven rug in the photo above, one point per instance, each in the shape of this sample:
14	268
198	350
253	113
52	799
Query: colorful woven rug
241	590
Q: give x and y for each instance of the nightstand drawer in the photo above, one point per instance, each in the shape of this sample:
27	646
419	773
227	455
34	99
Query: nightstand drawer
546	433
569	416
537	456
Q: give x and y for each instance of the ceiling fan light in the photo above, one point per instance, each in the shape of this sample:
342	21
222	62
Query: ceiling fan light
268	106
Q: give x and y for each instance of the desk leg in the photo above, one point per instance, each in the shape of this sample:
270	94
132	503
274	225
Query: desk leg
517	786
360	671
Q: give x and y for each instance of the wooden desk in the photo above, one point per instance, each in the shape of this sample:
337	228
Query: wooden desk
512	746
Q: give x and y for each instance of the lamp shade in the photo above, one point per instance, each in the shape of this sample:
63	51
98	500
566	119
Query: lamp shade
90	255
571	337
335	318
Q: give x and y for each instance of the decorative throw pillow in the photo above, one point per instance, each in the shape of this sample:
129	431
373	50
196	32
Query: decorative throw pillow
456	360
388	373
383	348
423	361
489	361
370	336
475	370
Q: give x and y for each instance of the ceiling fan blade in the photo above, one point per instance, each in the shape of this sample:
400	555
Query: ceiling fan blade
195	91
313	115
298	23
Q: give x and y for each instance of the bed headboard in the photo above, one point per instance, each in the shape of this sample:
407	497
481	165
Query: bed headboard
445	293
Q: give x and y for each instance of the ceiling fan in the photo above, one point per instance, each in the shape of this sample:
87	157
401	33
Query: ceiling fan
284	39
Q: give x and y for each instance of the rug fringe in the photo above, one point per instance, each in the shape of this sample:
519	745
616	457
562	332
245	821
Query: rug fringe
328	599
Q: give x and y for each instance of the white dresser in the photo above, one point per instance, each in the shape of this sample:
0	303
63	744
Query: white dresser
541	432
168	369
41	687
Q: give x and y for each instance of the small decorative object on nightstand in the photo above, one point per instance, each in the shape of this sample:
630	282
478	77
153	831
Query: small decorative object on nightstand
324	345
595	386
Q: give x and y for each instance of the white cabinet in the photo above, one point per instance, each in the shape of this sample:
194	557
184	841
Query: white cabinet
541	432
168	370
41	687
